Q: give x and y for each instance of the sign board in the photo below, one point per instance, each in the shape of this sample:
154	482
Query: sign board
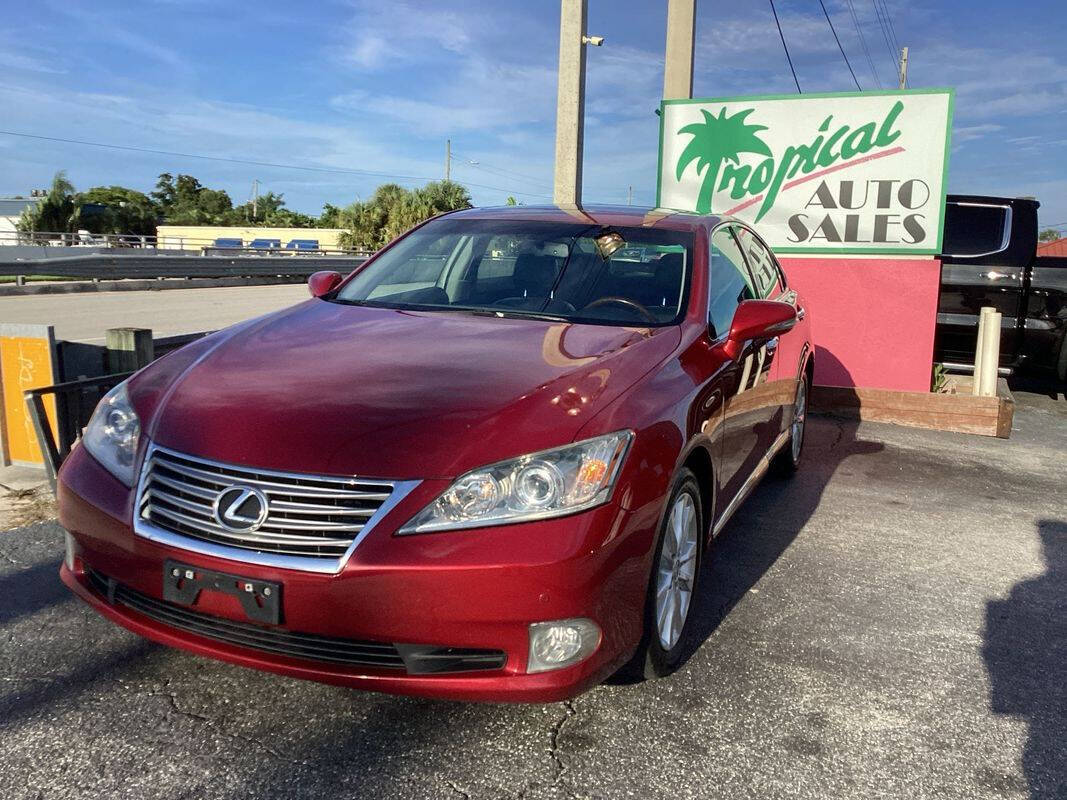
27	361
856	172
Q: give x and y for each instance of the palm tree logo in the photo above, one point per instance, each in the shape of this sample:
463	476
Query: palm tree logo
715	141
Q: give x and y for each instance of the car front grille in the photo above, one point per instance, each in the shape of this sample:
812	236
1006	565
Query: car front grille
310	519
415	659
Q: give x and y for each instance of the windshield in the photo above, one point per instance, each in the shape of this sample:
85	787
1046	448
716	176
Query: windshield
538	269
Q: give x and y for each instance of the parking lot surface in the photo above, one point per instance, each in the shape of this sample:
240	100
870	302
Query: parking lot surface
85	317
890	623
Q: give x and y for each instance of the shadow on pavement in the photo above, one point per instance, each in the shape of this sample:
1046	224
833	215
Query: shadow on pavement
29	590
768	522
1026	657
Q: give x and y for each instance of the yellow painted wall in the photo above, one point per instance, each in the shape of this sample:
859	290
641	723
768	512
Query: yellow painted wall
195	236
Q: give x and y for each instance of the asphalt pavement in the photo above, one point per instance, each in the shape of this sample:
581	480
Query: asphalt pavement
891	623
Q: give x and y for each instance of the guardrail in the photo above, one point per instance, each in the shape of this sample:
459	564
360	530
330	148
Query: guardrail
102	265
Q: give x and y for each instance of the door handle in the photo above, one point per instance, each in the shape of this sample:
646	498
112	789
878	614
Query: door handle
993	275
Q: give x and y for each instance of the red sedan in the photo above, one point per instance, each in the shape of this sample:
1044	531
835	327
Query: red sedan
485	465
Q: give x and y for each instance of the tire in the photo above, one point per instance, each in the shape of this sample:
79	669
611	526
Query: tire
787	461
656	655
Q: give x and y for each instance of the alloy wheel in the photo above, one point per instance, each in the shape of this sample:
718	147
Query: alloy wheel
676	572
799	412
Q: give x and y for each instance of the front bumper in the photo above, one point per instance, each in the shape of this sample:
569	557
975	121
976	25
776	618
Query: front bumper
468	590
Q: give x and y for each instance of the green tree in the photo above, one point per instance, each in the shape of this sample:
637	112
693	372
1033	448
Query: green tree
391	210
184	201
715	141
1048	235
115	209
55	212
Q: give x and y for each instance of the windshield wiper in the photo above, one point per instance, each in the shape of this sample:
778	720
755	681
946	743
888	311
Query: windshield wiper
512	313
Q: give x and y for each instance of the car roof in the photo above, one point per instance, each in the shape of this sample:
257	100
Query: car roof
622	216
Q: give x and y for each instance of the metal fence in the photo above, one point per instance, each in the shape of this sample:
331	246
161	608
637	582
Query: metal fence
75	402
169	244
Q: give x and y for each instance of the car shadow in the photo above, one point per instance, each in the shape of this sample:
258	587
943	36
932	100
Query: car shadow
28	590
1025	653
767	523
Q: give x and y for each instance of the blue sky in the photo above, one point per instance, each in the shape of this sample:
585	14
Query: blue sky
379	87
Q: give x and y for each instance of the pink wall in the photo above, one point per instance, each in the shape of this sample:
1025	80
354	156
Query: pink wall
872	319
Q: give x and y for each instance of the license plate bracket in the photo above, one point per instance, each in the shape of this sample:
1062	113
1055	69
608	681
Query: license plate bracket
261	600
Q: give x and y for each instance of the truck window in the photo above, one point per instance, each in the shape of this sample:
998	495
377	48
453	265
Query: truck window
976	229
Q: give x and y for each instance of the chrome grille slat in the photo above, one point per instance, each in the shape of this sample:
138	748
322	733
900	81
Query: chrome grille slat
313	522
250	539
248	478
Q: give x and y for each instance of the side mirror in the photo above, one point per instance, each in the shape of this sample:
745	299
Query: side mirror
322	283
758	319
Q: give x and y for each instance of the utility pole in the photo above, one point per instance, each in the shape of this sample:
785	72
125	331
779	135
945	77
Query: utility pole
904	68
678	63
570	103
630	196
448	159
255	197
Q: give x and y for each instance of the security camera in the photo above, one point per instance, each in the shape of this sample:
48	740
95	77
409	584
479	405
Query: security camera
596	41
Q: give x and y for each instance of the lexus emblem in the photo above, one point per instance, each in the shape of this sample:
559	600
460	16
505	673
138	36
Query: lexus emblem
241	509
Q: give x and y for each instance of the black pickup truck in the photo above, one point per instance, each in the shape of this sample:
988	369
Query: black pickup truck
990	259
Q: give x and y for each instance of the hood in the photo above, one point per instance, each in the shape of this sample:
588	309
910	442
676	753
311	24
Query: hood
338	389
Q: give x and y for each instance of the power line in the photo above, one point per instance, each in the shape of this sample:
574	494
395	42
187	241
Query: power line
863	41
785	47
331	170
885	35
839	47
892	28
480	164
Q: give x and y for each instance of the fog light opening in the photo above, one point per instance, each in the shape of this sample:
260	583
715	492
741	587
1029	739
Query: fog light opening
554	645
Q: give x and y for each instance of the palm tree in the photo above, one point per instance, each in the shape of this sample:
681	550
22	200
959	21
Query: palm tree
715	141
55	212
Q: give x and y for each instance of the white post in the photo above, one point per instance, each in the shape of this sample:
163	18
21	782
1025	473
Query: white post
990	354
976	382
570	103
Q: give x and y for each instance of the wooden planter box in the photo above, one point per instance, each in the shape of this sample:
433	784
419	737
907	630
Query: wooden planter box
953	409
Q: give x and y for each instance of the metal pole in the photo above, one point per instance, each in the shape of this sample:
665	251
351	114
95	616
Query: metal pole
678	64
448	159
904	68
570	103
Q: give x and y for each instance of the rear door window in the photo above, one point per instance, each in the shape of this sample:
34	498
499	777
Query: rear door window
764	268
730	281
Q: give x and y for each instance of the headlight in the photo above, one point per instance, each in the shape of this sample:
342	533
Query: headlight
537	486
112	434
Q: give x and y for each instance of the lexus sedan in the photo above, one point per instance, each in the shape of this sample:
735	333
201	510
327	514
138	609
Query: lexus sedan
485	465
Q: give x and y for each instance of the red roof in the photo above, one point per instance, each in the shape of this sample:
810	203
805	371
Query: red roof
1053	248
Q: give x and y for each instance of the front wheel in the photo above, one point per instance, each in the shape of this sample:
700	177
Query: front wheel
673	583
787	462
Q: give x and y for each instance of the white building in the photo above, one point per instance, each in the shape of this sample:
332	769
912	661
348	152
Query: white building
10	210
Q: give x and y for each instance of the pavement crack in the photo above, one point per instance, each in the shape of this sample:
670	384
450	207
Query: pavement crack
555	752
458	790
217	724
